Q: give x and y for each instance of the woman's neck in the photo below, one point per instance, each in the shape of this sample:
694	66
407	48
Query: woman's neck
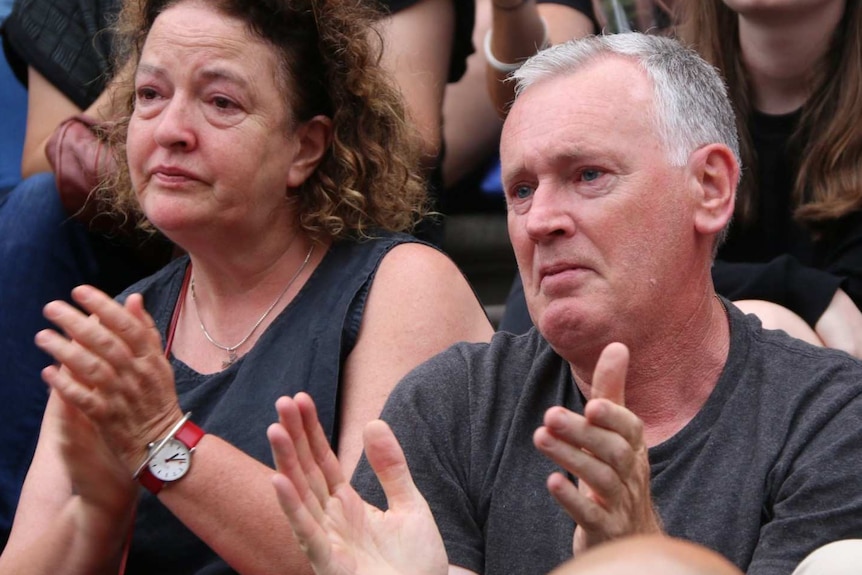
781	50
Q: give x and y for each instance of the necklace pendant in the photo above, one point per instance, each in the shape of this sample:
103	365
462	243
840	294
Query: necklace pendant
231	359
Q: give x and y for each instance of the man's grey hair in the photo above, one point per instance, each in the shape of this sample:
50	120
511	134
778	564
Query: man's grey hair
691	104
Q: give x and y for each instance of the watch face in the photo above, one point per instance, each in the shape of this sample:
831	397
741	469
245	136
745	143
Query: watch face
172	462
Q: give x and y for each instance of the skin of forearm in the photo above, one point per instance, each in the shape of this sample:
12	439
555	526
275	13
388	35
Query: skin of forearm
228	500
75	543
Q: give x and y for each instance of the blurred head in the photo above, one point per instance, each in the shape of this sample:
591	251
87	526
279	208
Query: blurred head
648	555
828	183
301	65
619	165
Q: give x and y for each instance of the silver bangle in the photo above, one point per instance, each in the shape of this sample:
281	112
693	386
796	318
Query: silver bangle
506	67
155	450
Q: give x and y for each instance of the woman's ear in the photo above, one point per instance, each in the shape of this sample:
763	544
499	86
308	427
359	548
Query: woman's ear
715	174
313	137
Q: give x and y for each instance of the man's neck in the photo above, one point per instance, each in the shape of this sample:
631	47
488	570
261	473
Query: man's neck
781	53
671	376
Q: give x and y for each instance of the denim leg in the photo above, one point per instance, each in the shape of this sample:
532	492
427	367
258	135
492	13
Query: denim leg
13	118
43	255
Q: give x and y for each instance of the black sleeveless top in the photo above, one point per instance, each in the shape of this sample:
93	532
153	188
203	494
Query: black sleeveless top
302	350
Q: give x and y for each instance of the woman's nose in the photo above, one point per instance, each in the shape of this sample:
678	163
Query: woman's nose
177	125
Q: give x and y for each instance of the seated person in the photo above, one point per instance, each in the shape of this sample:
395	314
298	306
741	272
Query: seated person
261	138
642	404
796	240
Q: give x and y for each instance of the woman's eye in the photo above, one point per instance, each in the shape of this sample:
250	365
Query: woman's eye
522	192
589	175
223	103
146	94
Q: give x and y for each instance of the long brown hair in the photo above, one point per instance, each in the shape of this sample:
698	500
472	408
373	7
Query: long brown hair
828	184
369	177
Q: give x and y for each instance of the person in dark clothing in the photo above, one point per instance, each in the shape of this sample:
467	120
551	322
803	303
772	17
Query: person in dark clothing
641	404
796	241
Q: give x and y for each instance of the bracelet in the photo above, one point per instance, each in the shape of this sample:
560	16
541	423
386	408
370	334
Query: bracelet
155	450
506	67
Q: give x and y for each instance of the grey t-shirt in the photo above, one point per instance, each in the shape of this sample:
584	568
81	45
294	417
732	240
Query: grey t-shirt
767	471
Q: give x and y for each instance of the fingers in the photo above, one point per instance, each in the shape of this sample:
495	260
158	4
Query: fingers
295	415
301	506
609	376
575	502
603	466
387	459
110	327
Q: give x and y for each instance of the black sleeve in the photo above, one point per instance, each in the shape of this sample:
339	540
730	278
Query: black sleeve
66	41
806	290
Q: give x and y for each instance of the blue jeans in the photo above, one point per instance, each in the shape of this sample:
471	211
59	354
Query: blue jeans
43	255
13	118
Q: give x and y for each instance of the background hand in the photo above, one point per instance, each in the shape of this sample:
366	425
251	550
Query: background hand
840	326
605	450
340	533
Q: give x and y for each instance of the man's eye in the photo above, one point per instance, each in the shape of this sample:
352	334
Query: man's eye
522	192
589	175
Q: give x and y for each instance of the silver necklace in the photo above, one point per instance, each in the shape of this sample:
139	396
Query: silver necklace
231	349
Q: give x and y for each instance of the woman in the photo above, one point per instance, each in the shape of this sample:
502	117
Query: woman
263	139
793	73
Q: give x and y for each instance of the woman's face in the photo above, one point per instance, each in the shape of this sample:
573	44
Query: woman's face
211	146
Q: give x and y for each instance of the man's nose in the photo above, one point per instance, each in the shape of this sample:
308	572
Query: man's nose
549	214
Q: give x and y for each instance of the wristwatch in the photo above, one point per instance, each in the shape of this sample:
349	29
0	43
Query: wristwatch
173	460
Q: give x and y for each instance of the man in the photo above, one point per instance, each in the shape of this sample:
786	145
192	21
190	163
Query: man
643	403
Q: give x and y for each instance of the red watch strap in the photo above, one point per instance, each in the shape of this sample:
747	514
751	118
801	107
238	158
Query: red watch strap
150	481
189	434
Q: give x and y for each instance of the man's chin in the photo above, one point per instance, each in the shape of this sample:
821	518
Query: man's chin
570	324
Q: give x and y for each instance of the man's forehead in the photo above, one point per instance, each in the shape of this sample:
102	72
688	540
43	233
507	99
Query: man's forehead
612	77
610	96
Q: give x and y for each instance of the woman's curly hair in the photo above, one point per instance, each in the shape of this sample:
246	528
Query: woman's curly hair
369	178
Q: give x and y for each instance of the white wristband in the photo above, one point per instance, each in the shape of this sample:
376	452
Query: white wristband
506	67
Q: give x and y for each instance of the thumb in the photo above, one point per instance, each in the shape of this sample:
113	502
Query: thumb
387	459
609	377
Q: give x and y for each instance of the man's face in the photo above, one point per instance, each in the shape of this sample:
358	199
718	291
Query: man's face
599	221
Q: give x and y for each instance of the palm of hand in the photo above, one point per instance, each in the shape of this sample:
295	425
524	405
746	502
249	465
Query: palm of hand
366	540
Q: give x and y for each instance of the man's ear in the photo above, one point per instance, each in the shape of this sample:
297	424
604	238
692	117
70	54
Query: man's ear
715	173
313	137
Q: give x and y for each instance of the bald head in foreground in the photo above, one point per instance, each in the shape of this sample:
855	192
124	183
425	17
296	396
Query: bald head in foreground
648	555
